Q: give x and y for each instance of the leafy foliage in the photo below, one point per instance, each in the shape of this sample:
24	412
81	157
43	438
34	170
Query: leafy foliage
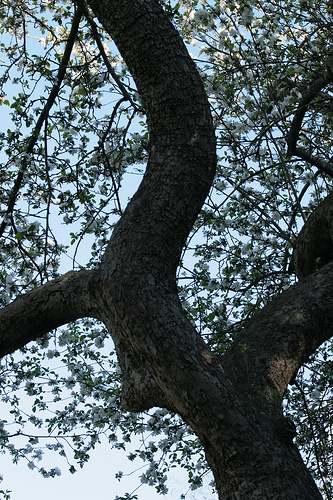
75	133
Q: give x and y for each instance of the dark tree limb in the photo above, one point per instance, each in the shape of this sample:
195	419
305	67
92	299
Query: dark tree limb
266	356
182	156
49	306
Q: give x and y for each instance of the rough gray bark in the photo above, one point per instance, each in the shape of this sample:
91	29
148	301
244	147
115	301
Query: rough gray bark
233	403
56	303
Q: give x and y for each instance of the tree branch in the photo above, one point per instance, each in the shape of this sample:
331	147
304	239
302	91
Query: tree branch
49	306
314	244
316	162
182	157
309	95
266	356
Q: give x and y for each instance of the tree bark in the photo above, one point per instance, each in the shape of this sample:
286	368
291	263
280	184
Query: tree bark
314	244
233	403
41	310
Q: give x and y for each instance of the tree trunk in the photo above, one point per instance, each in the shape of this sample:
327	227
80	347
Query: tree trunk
234	403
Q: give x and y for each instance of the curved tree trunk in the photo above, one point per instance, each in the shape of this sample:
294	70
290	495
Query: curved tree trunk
233	403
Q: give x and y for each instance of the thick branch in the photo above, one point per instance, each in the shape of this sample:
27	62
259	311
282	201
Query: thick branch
266	356
182	156
42	309
314	244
